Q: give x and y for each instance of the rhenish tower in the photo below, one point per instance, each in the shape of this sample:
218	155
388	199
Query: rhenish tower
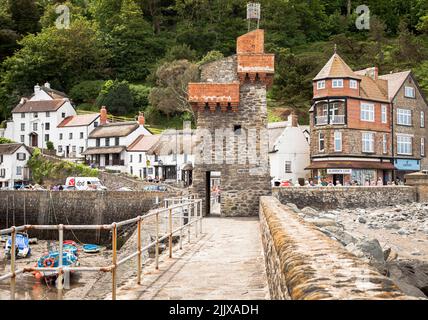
230	104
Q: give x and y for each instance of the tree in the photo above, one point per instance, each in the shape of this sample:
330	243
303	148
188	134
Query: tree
25	15
117	97
170	94
62	57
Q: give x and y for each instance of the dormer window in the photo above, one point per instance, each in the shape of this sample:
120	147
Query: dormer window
321	84
409	92
337	83
353	84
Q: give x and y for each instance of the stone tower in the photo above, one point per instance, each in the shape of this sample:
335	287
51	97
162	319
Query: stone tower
231	108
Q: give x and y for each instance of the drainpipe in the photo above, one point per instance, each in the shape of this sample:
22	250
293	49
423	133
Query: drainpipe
392	140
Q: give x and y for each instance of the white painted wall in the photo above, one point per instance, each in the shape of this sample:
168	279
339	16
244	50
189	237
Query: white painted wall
10	164
292	146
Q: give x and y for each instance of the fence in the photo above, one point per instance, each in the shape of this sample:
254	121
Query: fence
178	207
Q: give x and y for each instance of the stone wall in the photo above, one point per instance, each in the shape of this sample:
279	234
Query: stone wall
241	184
419	181
345	197
304	264
74	207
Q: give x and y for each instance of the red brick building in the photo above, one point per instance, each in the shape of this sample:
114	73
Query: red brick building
350	123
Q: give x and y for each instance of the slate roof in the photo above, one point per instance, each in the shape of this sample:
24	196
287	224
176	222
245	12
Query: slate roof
10	148
39	106
395	82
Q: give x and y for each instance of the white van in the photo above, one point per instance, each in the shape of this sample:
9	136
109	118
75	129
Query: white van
85	183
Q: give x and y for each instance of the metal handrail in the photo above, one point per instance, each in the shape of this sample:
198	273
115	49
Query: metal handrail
189	202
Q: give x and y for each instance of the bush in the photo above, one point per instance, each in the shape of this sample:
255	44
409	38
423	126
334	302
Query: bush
5	140
140	94
117	97
211	56
86	91
50	145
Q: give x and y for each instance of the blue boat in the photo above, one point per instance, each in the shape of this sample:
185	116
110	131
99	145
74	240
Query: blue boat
91	248
70	248
51	260
22	246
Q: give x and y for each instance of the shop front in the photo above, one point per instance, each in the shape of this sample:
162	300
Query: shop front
359	173
405	166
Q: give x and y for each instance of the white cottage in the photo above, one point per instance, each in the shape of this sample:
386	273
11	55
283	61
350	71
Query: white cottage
107	143
289	151
73	133
35	120
13	164
139	162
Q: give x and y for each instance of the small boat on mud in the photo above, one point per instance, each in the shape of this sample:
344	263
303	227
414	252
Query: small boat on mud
91	248
51	260
22	246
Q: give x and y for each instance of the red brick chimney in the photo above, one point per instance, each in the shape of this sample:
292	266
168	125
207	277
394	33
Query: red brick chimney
103	115
141	119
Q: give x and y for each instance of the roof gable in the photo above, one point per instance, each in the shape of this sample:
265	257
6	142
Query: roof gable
79	120
336	68
11	148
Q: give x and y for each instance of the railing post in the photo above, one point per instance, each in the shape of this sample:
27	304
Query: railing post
188	223
139	260
157	242
195	213
114	261
60	278
170	231
181	227
200	211
12	264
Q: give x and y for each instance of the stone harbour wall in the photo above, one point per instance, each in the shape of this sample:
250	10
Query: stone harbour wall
326	198
74	207
302	263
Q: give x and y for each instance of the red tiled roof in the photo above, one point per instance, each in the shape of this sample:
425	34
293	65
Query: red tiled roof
79	120
373	89
143	143
39	106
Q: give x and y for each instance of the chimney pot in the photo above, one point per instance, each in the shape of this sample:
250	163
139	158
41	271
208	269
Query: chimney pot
47	85
103	115
36	88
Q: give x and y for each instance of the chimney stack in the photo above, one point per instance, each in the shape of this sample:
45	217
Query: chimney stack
47	85
293	120
103	115
36	88
141	119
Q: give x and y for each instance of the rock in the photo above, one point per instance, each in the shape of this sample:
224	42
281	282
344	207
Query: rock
403	232
293	207
321	222
342	236
362	220
361	211
352	248
371	249
329	216
310	211
386	254
391	226
411	276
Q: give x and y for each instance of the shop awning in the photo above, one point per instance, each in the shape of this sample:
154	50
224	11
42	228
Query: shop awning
350	165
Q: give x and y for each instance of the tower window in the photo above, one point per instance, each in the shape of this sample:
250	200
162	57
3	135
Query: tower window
237	129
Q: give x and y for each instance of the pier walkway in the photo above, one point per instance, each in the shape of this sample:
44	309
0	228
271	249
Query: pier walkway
225	262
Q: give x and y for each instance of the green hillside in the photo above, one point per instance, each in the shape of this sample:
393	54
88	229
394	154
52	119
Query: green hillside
138	55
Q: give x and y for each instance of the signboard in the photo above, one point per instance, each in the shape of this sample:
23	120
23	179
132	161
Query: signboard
253	11
339	171
407	164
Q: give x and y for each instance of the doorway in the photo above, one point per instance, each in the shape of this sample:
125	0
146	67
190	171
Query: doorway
34	139
212	193
338	178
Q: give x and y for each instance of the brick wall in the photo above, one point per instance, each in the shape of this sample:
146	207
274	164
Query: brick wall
345	197
252	42
302	263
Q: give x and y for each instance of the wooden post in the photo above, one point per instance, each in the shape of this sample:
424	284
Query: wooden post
12	265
